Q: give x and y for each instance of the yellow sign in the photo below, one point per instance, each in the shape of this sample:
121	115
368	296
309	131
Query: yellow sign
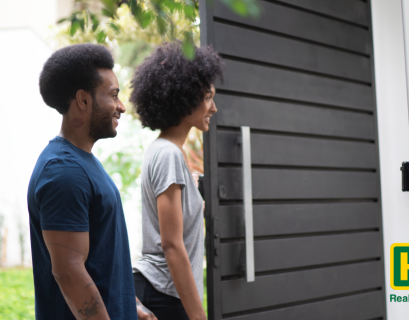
400	266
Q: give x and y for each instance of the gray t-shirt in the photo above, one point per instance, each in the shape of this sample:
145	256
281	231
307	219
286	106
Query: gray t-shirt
164	165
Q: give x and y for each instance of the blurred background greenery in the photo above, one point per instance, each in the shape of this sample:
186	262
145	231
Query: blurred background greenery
16	294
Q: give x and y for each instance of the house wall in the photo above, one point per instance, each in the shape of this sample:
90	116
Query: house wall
392	106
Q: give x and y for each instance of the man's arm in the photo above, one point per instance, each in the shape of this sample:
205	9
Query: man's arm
69	251
171	231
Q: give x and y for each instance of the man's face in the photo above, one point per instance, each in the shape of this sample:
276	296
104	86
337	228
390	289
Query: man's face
106	107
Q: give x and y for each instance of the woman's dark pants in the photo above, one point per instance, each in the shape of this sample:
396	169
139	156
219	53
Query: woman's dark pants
163	306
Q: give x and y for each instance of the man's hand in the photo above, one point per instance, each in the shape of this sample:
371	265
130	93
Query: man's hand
143	312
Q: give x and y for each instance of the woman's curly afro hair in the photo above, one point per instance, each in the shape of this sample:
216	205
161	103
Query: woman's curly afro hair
167	86
70	69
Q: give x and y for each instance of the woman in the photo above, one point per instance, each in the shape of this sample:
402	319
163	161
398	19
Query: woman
172	94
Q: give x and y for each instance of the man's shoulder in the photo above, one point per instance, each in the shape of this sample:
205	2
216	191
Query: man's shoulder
58	162
55	149
57	154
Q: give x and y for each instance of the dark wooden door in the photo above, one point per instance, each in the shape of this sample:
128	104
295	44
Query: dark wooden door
301	77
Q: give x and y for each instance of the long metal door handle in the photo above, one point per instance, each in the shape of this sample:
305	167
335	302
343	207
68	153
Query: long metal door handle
248	202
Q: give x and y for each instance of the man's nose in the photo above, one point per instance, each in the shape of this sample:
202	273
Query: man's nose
121	107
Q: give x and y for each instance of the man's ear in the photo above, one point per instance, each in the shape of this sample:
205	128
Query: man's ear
83	99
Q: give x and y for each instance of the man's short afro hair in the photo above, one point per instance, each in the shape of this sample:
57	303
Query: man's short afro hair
70	69
168	87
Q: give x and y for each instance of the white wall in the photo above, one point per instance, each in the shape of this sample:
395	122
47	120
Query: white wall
37	15
27	123
393	132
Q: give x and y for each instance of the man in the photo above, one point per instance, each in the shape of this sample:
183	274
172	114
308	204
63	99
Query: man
80	250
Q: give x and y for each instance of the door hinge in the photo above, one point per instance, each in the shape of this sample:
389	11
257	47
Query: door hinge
216	242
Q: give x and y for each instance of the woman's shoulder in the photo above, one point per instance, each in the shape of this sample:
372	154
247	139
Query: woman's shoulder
163	147
162	150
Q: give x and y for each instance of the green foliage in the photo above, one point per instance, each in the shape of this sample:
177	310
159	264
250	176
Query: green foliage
159	19
187	45
243	7
129	55
16	294
124	165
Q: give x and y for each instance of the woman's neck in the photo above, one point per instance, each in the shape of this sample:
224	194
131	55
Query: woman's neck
177	135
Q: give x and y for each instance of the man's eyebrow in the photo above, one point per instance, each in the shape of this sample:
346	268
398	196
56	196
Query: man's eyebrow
116	89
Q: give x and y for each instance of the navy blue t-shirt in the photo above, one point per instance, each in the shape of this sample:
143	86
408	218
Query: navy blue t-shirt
69	190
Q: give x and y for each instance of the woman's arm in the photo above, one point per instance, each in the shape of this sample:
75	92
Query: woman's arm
171	231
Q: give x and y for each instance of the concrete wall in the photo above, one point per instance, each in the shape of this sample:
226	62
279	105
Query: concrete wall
393	132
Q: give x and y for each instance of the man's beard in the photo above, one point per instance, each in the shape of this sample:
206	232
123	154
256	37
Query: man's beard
101	123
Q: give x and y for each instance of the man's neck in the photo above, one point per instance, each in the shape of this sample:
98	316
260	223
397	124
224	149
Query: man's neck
79	137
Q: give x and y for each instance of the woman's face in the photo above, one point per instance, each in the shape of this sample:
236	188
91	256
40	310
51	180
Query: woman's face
200	118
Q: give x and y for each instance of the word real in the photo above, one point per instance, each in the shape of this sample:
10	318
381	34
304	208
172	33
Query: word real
395	298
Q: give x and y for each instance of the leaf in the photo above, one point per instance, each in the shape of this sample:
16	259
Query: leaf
240	8
107	13
187	45
188	50
143	17
146	18
161	22
243	7
166	4
115	27
101	36
82	24
135	8
62	20
110	5
179	6
189	12
75	25
95	22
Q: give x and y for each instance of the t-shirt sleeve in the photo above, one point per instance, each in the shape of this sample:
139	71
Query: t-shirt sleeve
167	169
63	195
